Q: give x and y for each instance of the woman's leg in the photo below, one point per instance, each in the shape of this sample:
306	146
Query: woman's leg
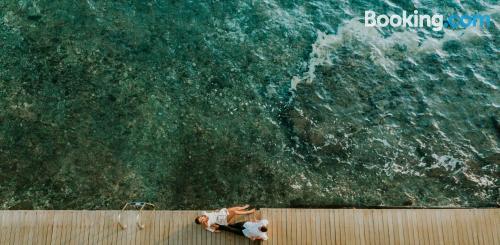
242	212
232	212
238	208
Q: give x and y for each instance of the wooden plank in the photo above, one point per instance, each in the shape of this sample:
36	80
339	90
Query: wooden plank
272	233
55	237
349	226
385	227
485	228
492	229
316	227
35	232
161	220
41	225
460	231
165	227
133	232
362	226
377	227
45	225
173	230
181	229
296	226
50	227
32	229
389	227
457	238
102	227
463	229
3	226
432	227
22	239
82	228
331	224
438	226
494	218
114	231
7	227
478	229
466	228
453	226
425	226
339	236
123	235
289	239
15	227
72	228
309	226
89	226
11	231
98	227
148	231
445	222
65	219
395	227
275	226
95	227
471	227
476	226
399	224
414	224
80	239
325	233
191	228
85	220
420	238
139	232
277	235
16	230
407	232
368	226
155	237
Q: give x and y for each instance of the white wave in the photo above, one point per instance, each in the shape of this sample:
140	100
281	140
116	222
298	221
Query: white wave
326	44
447	162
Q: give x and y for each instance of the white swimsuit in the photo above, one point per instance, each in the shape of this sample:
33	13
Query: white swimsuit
216	217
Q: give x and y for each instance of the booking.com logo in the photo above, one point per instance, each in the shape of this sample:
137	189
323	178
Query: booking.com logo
437	22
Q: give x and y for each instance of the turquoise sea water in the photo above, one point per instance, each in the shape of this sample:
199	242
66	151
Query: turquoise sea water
277	103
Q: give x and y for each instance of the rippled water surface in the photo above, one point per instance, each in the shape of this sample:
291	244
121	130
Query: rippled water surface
277	103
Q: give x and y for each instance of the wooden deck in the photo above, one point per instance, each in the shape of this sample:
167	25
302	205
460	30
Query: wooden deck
287	226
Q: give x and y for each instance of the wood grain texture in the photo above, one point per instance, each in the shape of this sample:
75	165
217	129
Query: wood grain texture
287	226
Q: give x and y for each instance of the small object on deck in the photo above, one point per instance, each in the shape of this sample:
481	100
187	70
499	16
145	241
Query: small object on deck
137	206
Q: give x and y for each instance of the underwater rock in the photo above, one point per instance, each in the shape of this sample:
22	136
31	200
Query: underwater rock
437	172
316	138
493	159
23	205
496	125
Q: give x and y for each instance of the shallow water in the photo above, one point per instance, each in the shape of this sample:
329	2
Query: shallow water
203	104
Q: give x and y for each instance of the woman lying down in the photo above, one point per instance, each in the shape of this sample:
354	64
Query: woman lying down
221	220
